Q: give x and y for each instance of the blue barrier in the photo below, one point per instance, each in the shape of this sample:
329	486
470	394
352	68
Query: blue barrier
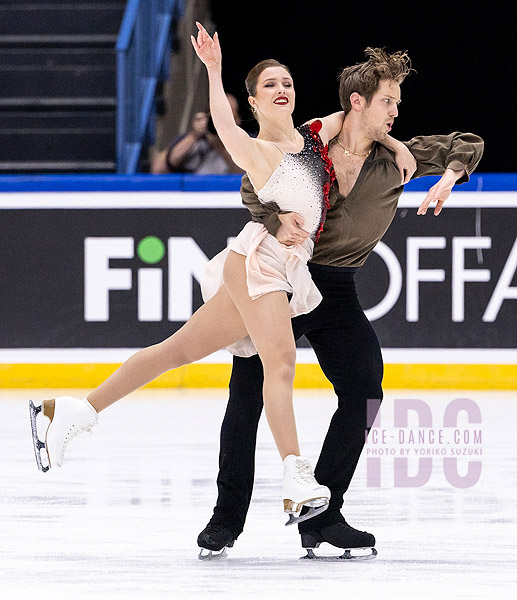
484	182
141	59
479	182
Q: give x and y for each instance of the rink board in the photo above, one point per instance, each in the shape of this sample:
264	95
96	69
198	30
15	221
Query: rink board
419	369
82	295
408	376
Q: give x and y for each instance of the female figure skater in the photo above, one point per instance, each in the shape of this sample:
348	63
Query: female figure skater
247	307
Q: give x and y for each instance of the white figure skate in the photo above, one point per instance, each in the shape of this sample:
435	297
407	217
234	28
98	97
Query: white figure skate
68	418
300	488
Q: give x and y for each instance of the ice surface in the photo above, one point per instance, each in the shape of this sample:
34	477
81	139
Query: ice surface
121	518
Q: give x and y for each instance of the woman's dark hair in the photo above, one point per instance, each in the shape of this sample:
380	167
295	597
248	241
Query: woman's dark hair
254	74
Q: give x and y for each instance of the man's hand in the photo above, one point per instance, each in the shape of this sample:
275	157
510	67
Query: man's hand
291	231
440	192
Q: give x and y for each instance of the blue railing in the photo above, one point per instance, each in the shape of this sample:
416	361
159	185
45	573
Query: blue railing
141	60
479	182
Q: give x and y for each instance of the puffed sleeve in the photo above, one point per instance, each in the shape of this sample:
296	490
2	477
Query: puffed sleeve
435	153
261	212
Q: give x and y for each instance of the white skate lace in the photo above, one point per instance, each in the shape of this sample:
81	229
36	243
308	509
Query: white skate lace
76	430
303	473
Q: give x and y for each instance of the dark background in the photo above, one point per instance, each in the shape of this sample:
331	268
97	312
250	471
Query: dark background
464	53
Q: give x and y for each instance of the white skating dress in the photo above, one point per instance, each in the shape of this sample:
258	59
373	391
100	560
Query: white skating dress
299	184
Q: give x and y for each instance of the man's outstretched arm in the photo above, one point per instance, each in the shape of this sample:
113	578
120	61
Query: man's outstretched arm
453	156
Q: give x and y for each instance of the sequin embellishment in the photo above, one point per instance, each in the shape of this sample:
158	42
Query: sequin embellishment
301	182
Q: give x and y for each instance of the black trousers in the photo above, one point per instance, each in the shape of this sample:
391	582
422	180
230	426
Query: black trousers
349	354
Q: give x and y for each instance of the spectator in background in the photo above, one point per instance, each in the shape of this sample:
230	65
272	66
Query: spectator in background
198	151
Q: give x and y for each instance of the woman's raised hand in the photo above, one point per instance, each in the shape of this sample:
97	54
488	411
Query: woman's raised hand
208	49
406	162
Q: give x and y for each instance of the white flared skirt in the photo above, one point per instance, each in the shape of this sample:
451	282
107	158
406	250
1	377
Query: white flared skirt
270	267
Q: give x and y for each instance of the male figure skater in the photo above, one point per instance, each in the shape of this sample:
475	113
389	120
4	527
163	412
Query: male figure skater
363	203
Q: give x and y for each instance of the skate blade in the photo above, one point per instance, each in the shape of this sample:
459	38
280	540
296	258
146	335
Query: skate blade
347	555
38	444
312	512
212	554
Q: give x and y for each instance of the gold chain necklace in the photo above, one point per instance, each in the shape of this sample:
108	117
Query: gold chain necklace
349	152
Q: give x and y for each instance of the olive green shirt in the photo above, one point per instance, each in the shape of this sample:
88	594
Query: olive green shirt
356	223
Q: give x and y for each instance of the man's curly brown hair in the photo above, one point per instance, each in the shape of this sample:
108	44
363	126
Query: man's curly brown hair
364	78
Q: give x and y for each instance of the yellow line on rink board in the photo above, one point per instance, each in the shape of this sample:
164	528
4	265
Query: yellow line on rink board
396	376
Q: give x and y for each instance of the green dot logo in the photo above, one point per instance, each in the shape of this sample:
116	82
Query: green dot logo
151	250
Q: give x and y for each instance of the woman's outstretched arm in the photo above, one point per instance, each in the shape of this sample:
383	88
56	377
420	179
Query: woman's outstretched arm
405	160
243	149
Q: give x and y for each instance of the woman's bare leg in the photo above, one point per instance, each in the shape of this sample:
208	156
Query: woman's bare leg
215	325
268	322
